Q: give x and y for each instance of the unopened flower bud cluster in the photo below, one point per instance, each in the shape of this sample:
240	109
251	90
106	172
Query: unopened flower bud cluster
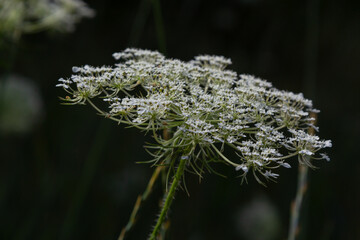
211	112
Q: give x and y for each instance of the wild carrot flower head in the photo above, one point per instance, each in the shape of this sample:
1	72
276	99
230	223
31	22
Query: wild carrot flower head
212	112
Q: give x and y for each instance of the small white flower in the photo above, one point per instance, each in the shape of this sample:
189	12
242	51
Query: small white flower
62	85
242	167
286	165
325	156
306	152
269	174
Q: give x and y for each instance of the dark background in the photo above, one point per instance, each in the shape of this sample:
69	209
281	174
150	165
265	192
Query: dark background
74	175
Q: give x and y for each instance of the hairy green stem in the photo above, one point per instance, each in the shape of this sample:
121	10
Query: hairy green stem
168	198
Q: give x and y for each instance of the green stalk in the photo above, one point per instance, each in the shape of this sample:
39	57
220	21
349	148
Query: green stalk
168	199
159	25
303	183
85	180
139	22
310	76
296	206
141	198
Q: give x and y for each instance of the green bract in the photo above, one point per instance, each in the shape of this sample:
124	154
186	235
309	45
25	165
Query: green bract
209	111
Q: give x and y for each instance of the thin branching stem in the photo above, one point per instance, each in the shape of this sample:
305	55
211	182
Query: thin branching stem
141	198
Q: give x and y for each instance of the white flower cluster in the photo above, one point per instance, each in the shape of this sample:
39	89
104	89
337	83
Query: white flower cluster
210	111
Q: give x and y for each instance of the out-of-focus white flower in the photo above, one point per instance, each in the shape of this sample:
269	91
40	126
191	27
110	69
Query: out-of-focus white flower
21	106
28	16
258	220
